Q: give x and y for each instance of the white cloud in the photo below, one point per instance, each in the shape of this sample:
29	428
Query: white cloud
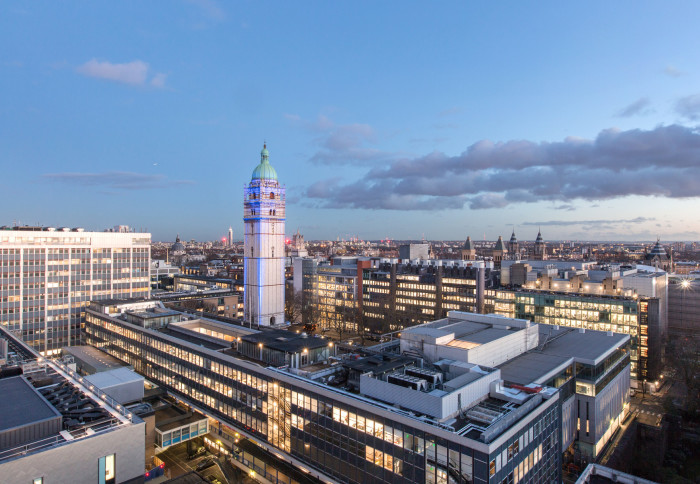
134	73
159	80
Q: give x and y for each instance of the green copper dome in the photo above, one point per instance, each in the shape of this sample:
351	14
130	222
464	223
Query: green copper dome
264	171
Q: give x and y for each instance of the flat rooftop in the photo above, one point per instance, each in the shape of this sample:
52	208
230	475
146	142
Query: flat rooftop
22	405
282	340
378	363
531	367
117	376
584	345
93	358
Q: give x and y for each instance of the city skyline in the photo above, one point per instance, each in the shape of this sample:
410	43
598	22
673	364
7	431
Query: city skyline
467	123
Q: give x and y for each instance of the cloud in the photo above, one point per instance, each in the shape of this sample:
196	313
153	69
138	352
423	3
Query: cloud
134	73
121	180
562	223
159	80
663	162
210	8
689	107
341	144
565	206
673	71
638	107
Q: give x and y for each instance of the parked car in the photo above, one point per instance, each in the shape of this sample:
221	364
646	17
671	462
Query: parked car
199	452
205	463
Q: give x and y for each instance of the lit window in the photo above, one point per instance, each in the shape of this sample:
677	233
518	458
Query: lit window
106	469
38	480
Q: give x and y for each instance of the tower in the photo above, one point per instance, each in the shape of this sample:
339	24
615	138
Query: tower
514	247
468	251
498	252
263	217
540	251
230	236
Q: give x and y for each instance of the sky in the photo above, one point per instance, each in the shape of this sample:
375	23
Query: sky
402	120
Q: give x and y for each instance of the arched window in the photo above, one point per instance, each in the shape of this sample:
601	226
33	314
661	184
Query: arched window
251	252
272	320
272	196
273	252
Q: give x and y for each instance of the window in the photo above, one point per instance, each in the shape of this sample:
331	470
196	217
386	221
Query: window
38	480
106	469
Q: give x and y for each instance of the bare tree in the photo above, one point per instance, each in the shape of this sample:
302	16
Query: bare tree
685	359
292	306
311	315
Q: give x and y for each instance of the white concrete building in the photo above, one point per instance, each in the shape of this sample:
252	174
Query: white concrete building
48	276
264	217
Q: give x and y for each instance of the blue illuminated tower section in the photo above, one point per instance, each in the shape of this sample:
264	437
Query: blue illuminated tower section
263	217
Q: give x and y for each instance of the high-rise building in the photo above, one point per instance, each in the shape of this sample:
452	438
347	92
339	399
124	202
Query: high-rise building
48	276
263	217
230	236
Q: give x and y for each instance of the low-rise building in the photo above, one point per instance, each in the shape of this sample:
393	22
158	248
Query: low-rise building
56	427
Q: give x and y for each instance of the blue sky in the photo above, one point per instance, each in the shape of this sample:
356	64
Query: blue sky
383	119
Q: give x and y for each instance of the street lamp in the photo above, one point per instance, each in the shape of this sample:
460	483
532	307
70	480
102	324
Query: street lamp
260	345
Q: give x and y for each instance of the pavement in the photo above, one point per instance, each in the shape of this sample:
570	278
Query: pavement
177	464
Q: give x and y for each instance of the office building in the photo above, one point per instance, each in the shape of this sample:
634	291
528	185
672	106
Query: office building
684	308
472	428
591	369
56	427
263	217
48	276
229	239
402	294
397	296
414	251
336	288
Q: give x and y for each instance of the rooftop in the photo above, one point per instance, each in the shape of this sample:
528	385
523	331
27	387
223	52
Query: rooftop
93	360
531	367
22	404
586	346
282	340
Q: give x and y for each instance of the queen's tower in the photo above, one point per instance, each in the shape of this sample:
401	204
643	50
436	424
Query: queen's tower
263	217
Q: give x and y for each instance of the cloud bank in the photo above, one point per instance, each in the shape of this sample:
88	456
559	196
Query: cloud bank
121	180
663	162
566	223
135	73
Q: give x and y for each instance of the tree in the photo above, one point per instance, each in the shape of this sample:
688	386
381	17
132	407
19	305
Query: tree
685	359
292	306
311	313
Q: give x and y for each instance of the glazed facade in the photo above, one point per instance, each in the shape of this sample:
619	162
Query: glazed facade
404	300
47	278
340	436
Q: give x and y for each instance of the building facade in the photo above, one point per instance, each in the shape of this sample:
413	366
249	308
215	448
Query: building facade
264	217
339	436
56	427
684	308
396	296
48	276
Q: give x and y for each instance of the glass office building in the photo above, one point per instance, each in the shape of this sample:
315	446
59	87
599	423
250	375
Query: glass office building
337	435
48	276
